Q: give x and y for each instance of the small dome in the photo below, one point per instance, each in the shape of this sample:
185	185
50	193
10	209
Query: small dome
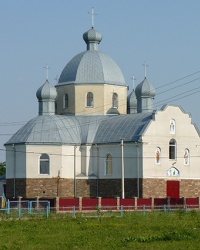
145	89
92	36
132	101
46	92
113	111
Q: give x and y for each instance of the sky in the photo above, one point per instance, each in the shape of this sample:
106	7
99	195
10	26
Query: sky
165	34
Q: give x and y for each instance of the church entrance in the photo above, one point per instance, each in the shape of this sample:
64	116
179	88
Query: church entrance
173	189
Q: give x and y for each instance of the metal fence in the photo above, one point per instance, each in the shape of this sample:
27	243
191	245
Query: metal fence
26	210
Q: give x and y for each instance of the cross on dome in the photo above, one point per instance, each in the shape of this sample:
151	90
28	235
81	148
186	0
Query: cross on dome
145	68
133	79
47	71
92	14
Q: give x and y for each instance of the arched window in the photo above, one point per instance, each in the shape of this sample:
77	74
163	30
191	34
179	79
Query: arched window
157	155
172	149
44	164
186	157
172	126
89	99
115	100
108	167
65	101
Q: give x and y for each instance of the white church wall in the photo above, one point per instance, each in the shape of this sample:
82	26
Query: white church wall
78	160
15	161
130	160
158	135
67	163
9	162
33	160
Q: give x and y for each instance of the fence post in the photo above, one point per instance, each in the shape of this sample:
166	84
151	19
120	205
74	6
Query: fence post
122	211
185	208
184	203
80	199
57	204
165	209
8	207
135	203
19	205
74	212
37	201
199	202
168	202
144	210
47	212
152	203
118	203
99	201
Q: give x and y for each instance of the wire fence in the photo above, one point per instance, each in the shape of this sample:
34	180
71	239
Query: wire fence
43	210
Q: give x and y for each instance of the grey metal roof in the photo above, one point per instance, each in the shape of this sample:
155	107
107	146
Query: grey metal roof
128	127
91	67
145	89
60	129
48	129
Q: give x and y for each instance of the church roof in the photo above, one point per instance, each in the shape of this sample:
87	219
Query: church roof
82	129
92	67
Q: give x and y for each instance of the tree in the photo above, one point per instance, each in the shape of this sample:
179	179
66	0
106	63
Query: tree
2	168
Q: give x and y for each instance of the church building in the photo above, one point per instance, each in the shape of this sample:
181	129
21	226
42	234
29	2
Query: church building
91	139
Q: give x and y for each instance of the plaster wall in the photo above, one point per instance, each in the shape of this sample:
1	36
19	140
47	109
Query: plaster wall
102	96
158	135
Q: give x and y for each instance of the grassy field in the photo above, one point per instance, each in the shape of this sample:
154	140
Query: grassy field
155	230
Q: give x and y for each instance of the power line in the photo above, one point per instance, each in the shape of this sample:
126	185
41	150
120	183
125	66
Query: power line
163	101
101	157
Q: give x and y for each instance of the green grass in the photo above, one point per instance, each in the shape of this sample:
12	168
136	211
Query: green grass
155	230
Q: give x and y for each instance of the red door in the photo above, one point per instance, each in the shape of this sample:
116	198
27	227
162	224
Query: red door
173	188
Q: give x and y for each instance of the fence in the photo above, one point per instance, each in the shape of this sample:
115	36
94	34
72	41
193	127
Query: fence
86	204
20	207
107	206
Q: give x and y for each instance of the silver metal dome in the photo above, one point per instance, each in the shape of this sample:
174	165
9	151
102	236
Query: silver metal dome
46	92
145	89
92	67
132	103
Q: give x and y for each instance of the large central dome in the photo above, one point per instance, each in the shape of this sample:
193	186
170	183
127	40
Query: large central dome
92	66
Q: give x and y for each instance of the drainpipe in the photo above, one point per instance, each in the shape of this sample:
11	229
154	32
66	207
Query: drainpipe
122	145
75	171
138	176
97	170
14	188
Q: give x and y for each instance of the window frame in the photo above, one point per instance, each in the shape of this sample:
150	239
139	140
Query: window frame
66	101
172	149
42	162
89	100
108	171
115	100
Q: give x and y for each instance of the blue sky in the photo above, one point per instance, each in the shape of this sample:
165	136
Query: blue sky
33	33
